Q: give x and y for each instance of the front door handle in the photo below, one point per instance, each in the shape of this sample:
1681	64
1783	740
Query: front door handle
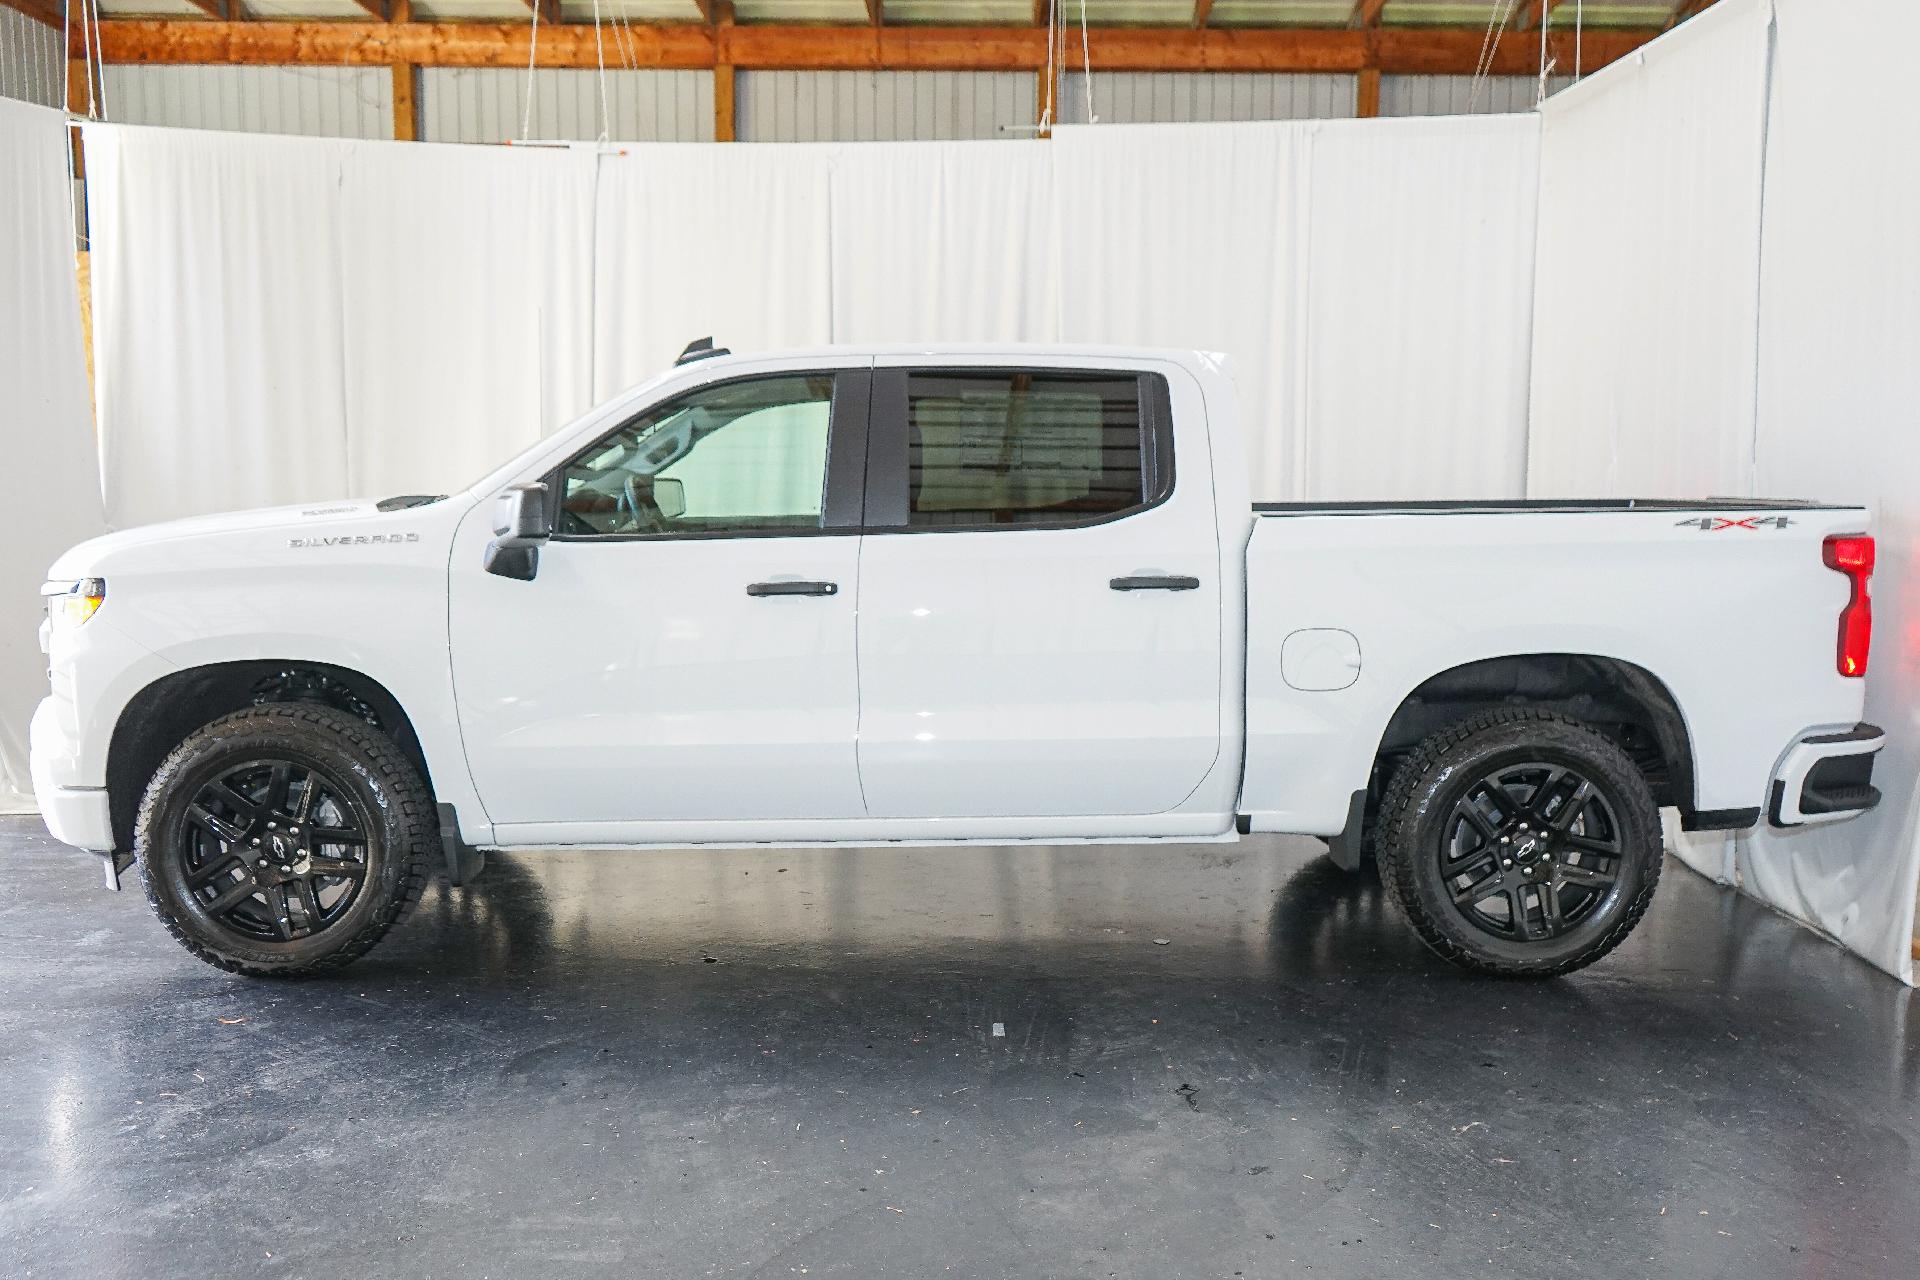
793	588
1156	582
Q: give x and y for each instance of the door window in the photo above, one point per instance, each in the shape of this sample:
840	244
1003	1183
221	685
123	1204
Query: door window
1024	448
739	457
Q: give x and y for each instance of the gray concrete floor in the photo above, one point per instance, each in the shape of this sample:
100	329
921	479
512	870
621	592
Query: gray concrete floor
784	1063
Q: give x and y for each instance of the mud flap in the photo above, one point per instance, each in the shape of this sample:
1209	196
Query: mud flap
464	862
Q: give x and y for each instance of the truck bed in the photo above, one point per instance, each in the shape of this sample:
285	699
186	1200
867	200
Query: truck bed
1495	506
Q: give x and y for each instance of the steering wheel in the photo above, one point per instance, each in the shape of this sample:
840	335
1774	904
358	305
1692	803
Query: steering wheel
637	509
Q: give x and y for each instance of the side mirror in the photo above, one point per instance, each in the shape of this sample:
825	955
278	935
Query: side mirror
669	497
519	527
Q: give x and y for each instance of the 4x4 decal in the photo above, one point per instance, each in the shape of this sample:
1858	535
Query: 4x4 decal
1713	524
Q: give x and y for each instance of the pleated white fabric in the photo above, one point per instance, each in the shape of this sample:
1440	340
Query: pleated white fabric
1647	273
466	278
1838	415
52	480
1728	301
218	319
697	239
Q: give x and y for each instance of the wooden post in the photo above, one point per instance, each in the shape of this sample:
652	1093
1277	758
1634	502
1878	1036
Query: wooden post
77	105
723	102
1367	100
406	127
719	15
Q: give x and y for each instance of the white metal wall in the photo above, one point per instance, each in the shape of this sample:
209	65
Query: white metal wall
30	62
334	102
1165	97
1456	95
487	104
883	106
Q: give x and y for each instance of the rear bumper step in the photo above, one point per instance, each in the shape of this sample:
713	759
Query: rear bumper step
1825	777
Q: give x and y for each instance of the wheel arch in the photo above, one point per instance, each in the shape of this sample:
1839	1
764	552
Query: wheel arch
1629	703
161	715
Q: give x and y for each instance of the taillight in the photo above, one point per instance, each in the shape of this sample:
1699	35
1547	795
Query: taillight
1852	554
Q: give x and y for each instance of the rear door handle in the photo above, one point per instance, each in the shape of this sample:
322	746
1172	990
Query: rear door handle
793	588
1156	582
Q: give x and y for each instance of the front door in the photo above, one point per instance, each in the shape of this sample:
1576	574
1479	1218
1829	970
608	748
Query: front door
685	653
1040	596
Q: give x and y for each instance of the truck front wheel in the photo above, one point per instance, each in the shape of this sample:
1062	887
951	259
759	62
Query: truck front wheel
284	839
1520	843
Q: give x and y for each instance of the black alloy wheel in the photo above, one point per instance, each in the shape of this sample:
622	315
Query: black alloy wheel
285	839
273	850
1532	850
1520	842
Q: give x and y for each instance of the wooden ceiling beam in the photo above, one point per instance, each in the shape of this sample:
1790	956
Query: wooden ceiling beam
1532	13
1686	9
45	11
876	13
1405	50
1202	13
1366	13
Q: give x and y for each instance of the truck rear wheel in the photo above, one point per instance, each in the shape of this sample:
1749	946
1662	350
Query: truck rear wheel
284	839
1520	843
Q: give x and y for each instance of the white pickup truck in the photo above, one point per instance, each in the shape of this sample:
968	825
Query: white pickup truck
962	594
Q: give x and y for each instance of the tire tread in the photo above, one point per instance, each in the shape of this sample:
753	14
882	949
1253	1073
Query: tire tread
1397	845
412	803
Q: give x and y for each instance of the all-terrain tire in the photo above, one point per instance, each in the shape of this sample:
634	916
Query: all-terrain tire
1421	820
366	776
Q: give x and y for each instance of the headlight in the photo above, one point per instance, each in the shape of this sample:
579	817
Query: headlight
71	603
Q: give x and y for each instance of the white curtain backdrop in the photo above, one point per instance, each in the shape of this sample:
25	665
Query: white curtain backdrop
1728	301
1317	254
429	308
1647	272
1838	415
294	319
1418	309
700	239
1171	235
52	488
218	320
944	243
466	288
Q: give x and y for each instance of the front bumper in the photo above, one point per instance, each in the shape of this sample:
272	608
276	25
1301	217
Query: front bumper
1825	777
77	816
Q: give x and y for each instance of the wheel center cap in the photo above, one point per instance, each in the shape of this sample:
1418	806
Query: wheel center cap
1525	847
281	846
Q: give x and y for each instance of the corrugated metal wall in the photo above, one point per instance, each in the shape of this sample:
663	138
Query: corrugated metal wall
1455	96
338	102
878	106
30	64
1156	97
485	104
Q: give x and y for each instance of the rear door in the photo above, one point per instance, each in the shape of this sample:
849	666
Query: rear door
1039	628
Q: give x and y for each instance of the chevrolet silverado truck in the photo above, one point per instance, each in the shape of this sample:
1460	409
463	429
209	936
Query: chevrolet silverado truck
968	595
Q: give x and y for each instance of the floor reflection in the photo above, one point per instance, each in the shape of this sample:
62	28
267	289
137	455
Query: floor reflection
1209	1059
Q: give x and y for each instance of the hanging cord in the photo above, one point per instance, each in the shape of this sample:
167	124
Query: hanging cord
1546	20
93	7
1086	63
533	48
86	57
1497	19
1053	74
623	39
600	56
1579	29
